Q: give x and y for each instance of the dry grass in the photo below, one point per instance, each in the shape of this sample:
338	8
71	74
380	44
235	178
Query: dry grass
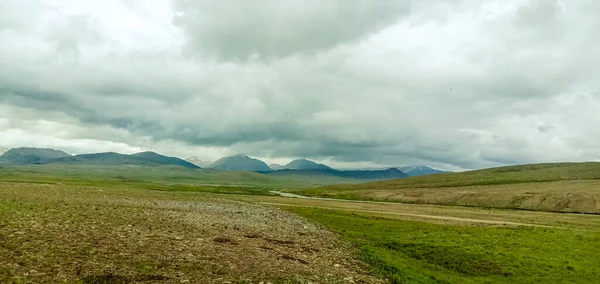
59	233
444	215
580	196
564	187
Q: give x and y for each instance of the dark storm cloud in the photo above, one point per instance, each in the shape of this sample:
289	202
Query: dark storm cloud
464	83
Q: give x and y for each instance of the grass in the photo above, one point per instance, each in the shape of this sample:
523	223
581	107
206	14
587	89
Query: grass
567	187
418	252
167	178
163	224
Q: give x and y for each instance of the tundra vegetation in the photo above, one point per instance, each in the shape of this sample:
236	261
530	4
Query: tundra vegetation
170	225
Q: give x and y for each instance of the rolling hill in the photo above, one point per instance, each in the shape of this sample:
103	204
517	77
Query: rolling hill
24	156
240	163
562	187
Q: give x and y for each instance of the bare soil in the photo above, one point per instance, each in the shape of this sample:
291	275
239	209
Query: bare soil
69	234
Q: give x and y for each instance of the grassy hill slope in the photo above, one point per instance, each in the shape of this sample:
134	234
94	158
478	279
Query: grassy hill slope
563	187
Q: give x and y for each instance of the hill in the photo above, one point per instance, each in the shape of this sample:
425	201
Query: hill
303	164
420	170
24	156
563	187
164	160
370	175
2	150
240	163
116	159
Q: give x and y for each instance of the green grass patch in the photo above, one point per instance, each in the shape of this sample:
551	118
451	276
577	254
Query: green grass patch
419	252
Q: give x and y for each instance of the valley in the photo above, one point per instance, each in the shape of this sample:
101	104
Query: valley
148	218
299	142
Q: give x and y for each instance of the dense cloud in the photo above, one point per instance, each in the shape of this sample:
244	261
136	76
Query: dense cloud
466	84
244	29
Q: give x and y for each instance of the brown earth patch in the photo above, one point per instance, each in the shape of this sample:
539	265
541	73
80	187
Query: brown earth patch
61	233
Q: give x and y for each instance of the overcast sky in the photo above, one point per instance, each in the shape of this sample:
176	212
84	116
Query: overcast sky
453	84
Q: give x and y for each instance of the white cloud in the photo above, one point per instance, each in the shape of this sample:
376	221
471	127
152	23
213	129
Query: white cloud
462	83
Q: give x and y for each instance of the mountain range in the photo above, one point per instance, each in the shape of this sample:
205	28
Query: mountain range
302	168
391	173
420	170
25	156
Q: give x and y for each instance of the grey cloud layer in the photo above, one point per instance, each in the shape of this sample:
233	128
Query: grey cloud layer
242	29
468	83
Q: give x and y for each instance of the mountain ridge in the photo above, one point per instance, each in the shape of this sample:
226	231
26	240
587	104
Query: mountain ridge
304	164
27	155
117	159
368	175
240	162
44	156
420	170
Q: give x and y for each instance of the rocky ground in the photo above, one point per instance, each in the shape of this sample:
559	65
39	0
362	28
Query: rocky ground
60	233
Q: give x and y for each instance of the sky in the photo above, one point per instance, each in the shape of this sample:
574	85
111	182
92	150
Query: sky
355	83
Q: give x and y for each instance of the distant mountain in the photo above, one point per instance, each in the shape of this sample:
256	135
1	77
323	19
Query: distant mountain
24	156
276	166
166	160
116	159
303	164
2	150
240	163
371	175
200	163
420	170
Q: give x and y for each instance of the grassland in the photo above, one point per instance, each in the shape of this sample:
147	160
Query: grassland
53	233
166	225
567	187
443	215
409	251
161	178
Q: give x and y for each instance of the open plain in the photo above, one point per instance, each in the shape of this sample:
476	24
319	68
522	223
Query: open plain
59	226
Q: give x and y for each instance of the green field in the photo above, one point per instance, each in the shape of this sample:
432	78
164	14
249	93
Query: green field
567	187
408	251
162	178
